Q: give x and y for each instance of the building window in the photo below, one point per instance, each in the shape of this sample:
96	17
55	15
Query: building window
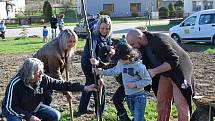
135	7
208	5
108	8
196	5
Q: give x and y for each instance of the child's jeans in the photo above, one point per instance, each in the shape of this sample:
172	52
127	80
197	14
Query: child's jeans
137	105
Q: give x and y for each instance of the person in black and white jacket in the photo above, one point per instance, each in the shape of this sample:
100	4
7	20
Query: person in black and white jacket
25	93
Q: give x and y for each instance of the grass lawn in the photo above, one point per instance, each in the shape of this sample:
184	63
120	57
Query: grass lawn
31	45
111	114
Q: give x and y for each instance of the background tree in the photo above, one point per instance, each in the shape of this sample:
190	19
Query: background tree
47	11
179	5
31	8
171	7
163	13
171	10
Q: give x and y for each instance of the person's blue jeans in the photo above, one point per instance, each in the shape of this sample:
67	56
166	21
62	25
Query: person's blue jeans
137	105
85	97
46	113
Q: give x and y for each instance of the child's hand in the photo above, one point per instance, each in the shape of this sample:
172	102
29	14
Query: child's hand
131	85
112	51
93	61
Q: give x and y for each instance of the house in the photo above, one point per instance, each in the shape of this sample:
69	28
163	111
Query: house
10	7
118	7
191	6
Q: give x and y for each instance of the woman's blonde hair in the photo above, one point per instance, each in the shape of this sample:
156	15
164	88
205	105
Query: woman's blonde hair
64	38
104	19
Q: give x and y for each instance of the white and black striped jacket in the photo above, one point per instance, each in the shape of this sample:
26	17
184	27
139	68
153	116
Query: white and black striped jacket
21	100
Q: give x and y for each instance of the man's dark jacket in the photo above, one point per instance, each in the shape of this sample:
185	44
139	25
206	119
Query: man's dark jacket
161	48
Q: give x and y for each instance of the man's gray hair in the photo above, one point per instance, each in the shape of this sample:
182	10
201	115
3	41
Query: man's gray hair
64	38
29	68
103	19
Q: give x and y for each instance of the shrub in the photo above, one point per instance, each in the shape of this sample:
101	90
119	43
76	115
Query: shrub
103	12
171	11
163	13
179	5
134	14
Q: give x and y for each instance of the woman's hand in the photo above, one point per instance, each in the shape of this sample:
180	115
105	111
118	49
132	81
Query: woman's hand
93	61
101	82
112	51
34	118
98	71
152	73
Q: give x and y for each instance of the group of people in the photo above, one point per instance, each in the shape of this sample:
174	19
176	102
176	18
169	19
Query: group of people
55	23
139	61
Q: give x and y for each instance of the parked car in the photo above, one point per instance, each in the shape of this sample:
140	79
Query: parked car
80	28
198	27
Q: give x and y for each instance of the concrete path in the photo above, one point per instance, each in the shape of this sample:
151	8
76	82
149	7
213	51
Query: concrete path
118	30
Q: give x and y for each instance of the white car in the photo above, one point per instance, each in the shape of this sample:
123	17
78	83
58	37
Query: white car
198	27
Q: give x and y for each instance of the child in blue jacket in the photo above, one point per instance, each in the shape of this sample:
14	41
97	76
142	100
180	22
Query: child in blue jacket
135	77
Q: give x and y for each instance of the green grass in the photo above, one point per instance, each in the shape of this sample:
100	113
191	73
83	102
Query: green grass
211	50
19	46
160	27
200	47
110	113
31	45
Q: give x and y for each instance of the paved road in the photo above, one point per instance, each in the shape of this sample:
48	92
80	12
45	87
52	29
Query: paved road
118	29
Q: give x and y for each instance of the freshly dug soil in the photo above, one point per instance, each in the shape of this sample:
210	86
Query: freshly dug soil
204	75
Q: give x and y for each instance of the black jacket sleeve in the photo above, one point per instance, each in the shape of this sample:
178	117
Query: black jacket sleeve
60	85
166	52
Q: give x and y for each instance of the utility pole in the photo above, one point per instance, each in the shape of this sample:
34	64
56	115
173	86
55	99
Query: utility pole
158	5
